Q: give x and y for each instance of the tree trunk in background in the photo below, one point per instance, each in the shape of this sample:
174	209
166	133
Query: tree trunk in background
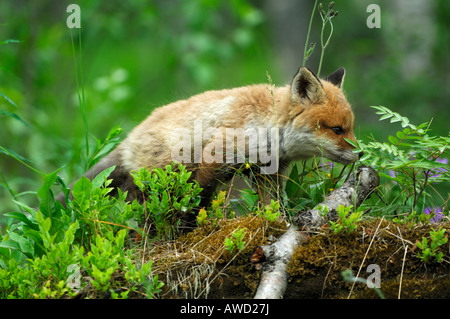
411	24
289	21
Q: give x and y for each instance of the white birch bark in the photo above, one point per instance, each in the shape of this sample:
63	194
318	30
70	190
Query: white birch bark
274	276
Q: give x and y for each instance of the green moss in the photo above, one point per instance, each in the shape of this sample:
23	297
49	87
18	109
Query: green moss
378	242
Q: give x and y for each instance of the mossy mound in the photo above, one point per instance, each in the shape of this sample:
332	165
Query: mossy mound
197	264
316	267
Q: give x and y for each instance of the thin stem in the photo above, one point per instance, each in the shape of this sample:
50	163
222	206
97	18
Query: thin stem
422	188
324	46
80	88
86	127
305	57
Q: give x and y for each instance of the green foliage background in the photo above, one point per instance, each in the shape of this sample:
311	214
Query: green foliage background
138	55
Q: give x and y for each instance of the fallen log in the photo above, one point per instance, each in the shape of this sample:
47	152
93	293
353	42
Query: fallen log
273	258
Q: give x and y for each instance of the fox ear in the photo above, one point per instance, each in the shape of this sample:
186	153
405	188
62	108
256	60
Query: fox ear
307	87
337	78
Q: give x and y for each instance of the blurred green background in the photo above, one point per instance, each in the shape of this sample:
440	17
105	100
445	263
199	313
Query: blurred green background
138	55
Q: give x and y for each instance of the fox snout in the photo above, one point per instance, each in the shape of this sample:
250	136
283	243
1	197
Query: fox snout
344	156
339	150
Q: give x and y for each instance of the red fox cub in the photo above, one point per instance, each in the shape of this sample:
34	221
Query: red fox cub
215	132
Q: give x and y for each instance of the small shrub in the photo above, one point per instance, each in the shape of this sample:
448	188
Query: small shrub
236	240
216	212
347	220
429	249
271	212
168	196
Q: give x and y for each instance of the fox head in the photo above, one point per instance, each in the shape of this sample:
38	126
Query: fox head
320	118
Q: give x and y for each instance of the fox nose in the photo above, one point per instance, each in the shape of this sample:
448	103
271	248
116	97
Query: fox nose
361	154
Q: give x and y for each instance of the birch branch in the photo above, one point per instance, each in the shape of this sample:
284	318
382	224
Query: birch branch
273	259
354	191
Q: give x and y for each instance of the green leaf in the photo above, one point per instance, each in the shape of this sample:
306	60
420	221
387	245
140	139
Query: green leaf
292	186
14	116
249	197
70	233
10	244
83	185
98	181
10	41
395	119
393	140
400	135
352	143
20	216
385	116
405	121
25	206
26	247
7	98
114	132
44	223
13	154
45	194
310	50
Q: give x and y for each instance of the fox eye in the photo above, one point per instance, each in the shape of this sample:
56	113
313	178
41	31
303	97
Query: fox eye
338	130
